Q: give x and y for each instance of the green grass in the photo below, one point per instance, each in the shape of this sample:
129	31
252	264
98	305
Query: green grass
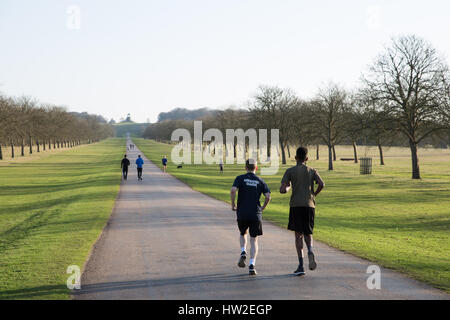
385	217
52	210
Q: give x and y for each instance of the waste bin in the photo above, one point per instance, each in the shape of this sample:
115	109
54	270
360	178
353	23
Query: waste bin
365	166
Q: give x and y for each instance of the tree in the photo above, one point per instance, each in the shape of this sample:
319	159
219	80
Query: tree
301	129
272	107
410	82
330	107
354	127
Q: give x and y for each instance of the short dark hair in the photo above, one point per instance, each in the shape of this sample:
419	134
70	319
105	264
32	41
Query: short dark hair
125	155
301	153
250	164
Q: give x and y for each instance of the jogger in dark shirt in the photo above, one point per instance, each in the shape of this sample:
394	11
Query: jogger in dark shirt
249	210
124	165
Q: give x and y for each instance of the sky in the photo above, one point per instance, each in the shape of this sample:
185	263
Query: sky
145	57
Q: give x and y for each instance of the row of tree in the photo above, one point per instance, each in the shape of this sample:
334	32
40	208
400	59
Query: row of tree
25	122
404	99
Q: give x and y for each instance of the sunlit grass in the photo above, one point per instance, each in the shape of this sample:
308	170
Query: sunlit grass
51	212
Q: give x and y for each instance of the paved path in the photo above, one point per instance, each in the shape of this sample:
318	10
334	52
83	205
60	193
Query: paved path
166	241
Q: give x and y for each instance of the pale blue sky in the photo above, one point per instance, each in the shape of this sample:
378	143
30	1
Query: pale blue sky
145	57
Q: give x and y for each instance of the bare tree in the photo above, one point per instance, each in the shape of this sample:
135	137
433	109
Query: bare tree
272	106
330	106
411	81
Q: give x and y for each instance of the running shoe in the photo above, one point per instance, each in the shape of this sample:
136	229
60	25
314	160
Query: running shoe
300	271
312	261
242	258
252	270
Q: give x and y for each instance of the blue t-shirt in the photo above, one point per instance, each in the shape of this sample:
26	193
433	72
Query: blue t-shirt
250	189
139	162
164	161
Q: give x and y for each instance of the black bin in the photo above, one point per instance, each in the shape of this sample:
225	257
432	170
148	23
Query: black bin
365	165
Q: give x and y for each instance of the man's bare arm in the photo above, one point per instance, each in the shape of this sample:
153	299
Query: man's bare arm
320	184
233	198
319	188
266	200
285	187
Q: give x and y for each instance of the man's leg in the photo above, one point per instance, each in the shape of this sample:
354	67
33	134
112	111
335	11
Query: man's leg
309	245
253	249
253	254
309	242
243	243
299	247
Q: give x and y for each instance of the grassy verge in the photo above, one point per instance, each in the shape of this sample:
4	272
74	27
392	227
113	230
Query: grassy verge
386	217
51	212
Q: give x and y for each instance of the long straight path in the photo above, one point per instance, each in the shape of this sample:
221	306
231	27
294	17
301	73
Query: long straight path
167	241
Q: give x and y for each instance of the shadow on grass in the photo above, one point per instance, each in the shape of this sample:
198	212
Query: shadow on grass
387	225
33	293
65	200
16	190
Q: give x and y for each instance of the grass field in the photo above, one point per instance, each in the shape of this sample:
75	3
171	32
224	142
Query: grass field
7	159
51	212
385	217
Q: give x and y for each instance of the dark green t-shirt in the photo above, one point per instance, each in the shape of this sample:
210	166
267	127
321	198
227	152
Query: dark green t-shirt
302	178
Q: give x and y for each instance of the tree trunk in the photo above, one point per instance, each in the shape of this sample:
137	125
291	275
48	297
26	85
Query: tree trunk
289	152
22	149
414	160
330	157
37	145
54	144
317	152
1	153
334	153
283	153
380	148
355	154
31	145
43	145
12	149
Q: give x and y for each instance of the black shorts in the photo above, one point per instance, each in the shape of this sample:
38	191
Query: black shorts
255	227
301	219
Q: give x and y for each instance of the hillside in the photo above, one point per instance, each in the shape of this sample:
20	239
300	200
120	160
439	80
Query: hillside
135	129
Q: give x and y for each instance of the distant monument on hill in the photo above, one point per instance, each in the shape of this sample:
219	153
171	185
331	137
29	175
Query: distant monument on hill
127	119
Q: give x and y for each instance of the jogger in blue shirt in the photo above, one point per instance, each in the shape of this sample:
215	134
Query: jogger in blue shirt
139	163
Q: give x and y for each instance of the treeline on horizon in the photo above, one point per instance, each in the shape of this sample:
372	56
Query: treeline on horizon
403	100
33	126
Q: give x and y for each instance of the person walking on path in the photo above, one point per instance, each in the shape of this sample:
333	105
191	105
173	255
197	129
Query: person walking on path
249	211
302	205
139	163
124	165
164	163
221	165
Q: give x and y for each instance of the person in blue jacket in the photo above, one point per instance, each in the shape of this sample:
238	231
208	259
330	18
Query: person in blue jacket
139	163
164	163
